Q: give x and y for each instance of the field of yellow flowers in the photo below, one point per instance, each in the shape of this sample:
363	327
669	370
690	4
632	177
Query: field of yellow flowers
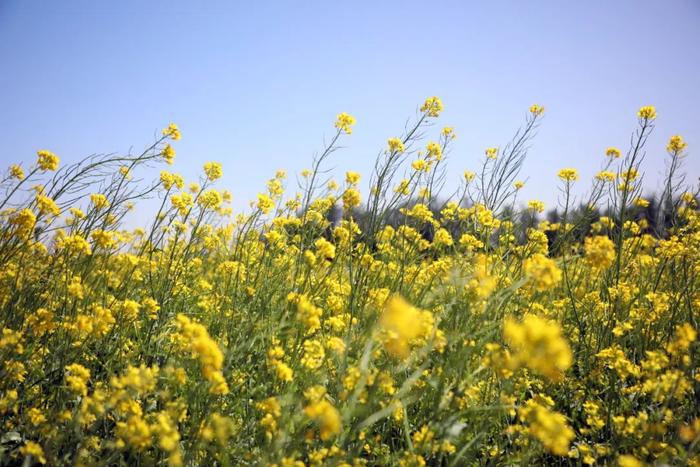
413	329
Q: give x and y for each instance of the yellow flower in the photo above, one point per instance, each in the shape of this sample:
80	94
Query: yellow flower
210	199
172	131
541	271
103	238
77	377
16	172
47	160
626	460
568	175
344	122
432	106
134	432
647	112
600	251
326	417
352	178
546	425
396	146
676	144
605	176
265	203
401	324
168	154
538	344
442	238
314	354
351	199
307	313
536	205
34	450
124	171
536	110
283	372
23	221
492	153
448	133
166	430
613	153
336	344
213	171
418	164
325	248
433	151
99	201
195	338
46	205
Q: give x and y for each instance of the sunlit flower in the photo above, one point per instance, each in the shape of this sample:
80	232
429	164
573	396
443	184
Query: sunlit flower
344	122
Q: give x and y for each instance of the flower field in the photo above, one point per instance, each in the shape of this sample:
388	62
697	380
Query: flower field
399	326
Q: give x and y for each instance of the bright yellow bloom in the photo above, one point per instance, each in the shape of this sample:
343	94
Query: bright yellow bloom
432	106
418	165
195	338
448	133
211	199
77	377
16	172
265	203
34	450
536	205
613	153
547	426
325	248
600	251
351	199
541	271
396	145
213	171
605	176
433	151
647	112
46	205
168	154
568	175
344	122
626	460
442	238
326	417
352	178
538	344
99	201
314	354
676	144
23	221
47	160
536	110
134	432
402	324
172	131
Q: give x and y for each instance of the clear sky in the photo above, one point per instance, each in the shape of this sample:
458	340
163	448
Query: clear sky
257	85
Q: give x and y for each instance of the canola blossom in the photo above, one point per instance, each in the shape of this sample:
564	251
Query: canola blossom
338	326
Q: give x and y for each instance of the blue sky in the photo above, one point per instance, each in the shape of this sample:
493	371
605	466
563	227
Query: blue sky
257	85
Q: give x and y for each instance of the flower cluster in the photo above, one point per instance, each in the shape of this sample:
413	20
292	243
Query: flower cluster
324	327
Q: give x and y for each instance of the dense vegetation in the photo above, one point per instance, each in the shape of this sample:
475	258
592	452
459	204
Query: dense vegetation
412	327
